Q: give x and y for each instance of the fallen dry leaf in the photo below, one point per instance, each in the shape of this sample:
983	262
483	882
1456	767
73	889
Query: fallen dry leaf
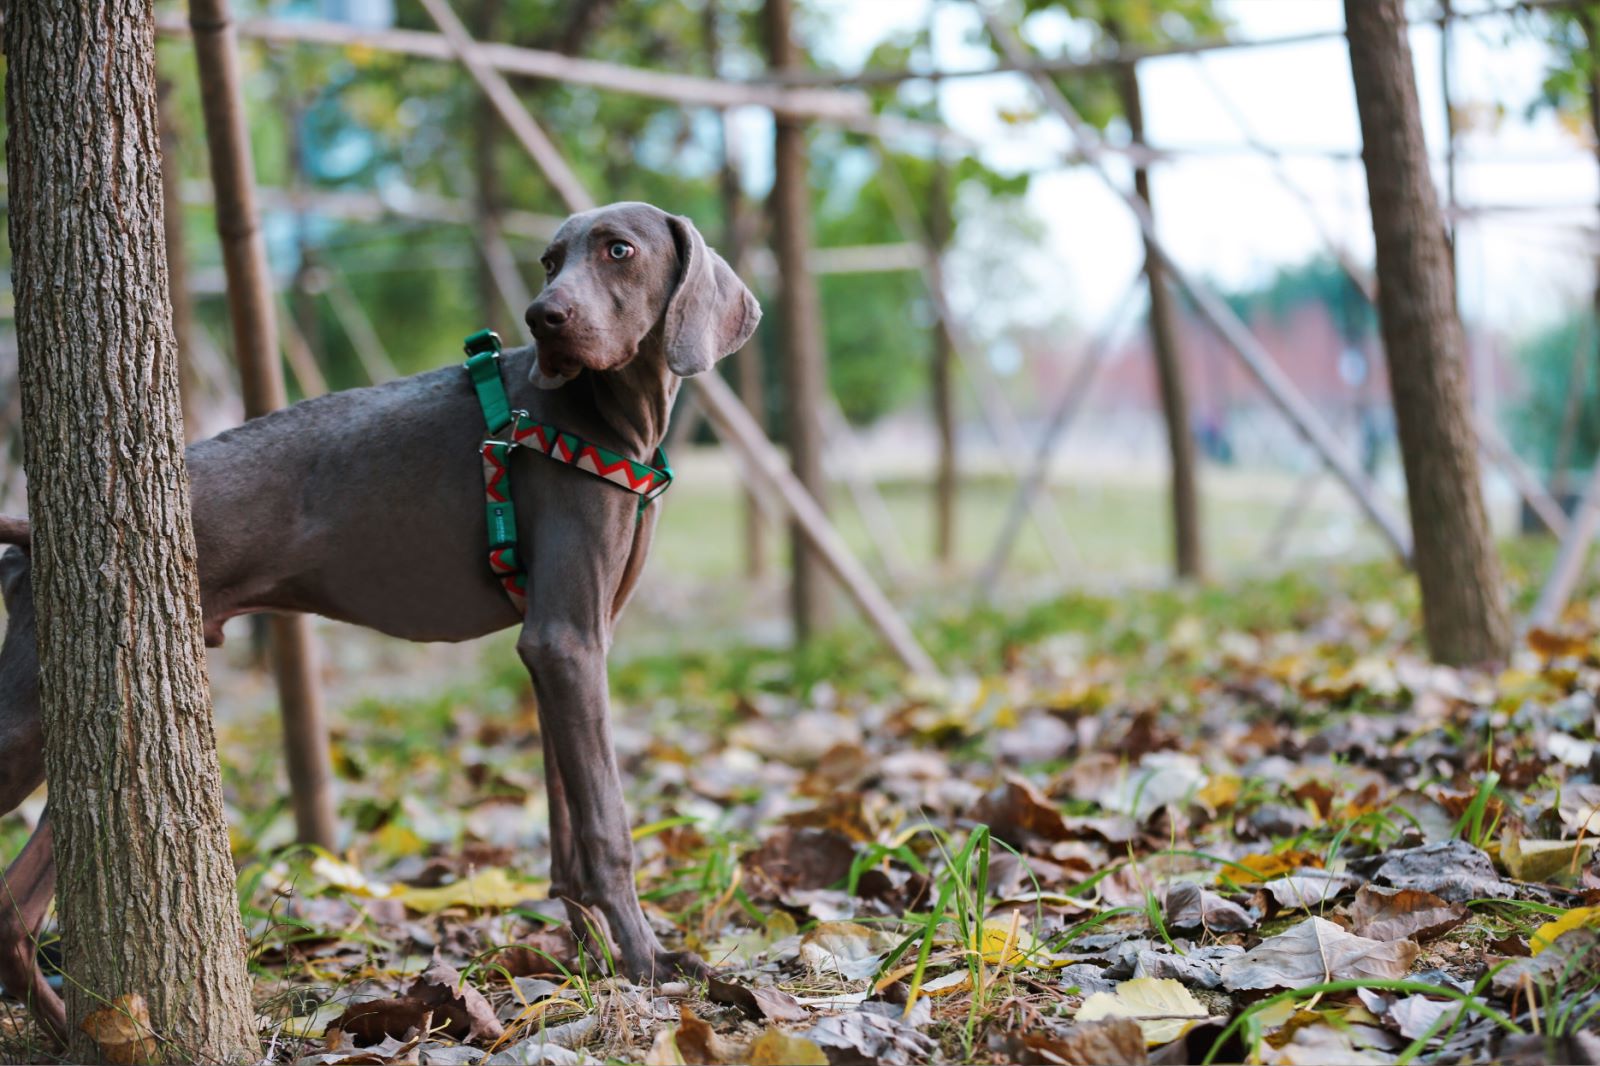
1544	860
1305	889
1188	906
758	1002
1402	914
1453	870
1315	951
122	1031
1108	1042
871	1038
778	1048
1164	1009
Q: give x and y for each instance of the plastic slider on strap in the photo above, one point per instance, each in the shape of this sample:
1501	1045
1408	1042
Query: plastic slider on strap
483	367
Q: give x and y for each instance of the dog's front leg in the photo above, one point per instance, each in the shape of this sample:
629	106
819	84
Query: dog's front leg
568	664
24	900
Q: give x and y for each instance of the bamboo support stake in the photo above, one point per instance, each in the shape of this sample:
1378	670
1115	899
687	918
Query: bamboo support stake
1066	407
735	426
1279	387
534	140
1570	559
359	328
250	309
992	405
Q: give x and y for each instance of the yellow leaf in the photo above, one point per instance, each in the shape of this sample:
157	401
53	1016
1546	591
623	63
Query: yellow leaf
1263	867
1164	1009
396	839
489	889
1542	860
337	873
1004	942
1222	790
777	1048
1576	918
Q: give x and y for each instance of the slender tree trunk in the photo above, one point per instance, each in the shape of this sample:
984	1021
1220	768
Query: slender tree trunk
146	881
178	263
804	361
746	361
486	171
945	483
255	348
1188	557
1463	605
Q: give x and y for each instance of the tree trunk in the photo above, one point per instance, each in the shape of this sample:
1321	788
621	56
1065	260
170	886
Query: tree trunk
945	483
804	362
489	197
178	263
1463	605
255	348
746	360
1187	552
146	891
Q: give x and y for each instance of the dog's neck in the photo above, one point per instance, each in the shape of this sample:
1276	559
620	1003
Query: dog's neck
635	402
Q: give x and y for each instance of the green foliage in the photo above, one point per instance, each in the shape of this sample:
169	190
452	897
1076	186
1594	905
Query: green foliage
1547	361
1317	280
1568	31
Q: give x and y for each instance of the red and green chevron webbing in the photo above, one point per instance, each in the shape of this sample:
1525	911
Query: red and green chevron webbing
644	480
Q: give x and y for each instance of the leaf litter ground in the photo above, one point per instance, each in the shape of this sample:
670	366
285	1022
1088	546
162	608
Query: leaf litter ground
1251	824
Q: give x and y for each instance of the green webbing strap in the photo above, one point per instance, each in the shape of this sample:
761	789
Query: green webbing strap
642	479
483	366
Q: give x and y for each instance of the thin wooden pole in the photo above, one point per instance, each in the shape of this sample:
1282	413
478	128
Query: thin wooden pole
1062	413
250	307
747	361
1279	387
735	426
804	359
1574	552
996	412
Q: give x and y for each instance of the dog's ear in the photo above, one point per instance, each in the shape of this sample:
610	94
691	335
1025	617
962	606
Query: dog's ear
711	313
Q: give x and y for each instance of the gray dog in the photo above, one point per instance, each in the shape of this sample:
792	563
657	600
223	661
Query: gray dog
368	507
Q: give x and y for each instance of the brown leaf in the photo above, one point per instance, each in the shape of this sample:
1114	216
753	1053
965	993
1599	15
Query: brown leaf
797	860
546	950
872	1039
1020	814
1314	951
377	1020
697	1043
1189	906
1112	1042
122	1031
1402	914
763	1003
459	1007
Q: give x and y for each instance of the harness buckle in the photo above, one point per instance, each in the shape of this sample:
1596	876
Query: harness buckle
485	340
507	434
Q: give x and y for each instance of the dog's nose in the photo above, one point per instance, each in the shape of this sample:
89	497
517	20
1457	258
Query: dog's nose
548	315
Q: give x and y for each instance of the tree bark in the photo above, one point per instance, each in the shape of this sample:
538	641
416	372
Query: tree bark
1187	550
747	360
489	198
178	263
804	361
945	483
255	348
146	891
1463	605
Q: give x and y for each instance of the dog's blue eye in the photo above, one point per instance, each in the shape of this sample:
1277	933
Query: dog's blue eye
620	250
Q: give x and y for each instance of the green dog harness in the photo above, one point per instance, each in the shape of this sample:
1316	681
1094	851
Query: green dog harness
510	430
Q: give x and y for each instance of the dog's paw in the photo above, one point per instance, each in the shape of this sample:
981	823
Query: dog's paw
666	966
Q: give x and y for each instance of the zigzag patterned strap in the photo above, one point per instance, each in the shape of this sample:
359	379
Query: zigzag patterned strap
644	480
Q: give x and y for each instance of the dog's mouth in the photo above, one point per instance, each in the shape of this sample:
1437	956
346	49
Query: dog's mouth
558	363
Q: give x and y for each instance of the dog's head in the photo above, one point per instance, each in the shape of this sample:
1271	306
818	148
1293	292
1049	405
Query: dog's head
630	279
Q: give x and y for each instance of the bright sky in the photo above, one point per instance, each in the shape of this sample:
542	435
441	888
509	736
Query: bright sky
1226	215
